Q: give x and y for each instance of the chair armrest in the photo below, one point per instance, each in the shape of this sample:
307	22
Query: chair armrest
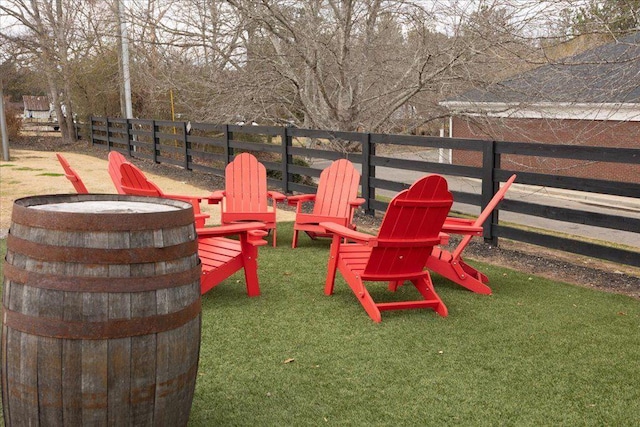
200	219
194	199
347	233
190	199
231	229
278	197
462	221
357	202
300	198
215	197
444	238
255	237
455	228
138	191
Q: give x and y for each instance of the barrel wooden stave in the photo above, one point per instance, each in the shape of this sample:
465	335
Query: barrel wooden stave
139	380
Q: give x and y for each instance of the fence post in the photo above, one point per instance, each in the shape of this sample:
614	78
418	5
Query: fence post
156	140
91	130
368	171
187	147
108	134
129	139
287	159
490	162
228	136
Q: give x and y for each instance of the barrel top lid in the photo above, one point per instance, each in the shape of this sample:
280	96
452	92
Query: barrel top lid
106	207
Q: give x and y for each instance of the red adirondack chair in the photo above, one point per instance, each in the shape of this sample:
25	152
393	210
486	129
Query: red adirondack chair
245	197
72	175
133	181
335	201
221	257
115	160
409	231
450	264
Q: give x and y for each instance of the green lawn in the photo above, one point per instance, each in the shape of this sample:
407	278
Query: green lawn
536	352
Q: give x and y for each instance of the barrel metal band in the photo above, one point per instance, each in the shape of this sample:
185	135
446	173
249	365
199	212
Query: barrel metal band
100	284
109	329
52	253
71	221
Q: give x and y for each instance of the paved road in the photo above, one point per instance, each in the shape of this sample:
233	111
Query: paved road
620	206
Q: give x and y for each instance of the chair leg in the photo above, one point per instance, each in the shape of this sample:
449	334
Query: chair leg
251	277
473	272
452	270
393	286
357	286
424	285
364	298
332	266
294	241
250	264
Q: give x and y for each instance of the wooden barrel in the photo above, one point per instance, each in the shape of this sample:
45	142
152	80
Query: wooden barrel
101	311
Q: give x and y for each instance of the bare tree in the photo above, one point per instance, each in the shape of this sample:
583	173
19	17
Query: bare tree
362	64
51	36
374	65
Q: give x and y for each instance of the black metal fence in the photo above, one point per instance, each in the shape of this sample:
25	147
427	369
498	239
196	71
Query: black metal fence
208	148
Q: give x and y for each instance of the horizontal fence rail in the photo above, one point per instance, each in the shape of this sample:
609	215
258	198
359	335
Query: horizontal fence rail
390	163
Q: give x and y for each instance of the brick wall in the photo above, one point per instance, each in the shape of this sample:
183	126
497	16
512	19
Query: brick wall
565	132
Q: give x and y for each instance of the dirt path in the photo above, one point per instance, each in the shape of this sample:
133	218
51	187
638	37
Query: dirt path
30	173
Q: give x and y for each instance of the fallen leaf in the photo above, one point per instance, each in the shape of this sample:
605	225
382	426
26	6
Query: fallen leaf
289	360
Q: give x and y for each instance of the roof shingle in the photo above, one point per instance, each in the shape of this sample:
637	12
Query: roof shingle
606	74
36	103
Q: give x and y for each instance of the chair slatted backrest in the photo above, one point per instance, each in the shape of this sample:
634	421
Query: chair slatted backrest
246	185
484	215
72	175
338	186
135	182
115	160
410	229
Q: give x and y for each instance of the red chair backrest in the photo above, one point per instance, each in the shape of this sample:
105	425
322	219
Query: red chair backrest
497	198
246	185
338	186
115	160
136	183
72	175
486	212
410	229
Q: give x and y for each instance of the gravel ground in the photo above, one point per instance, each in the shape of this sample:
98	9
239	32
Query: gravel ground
534	260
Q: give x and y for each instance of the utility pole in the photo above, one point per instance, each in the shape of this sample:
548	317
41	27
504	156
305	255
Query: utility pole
125	60
3	126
